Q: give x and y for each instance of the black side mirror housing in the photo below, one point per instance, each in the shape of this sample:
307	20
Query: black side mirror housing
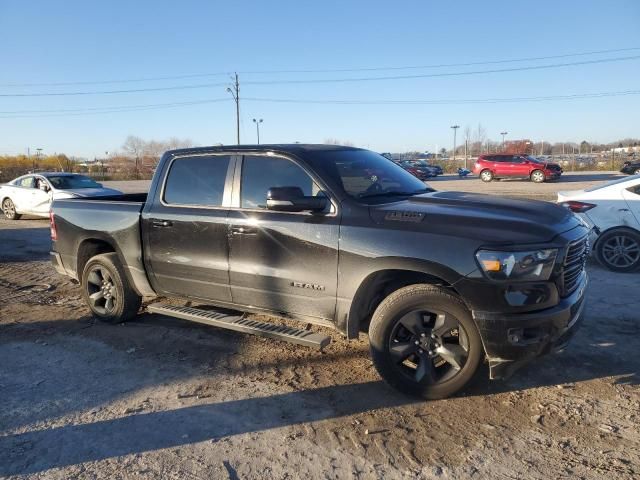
293	199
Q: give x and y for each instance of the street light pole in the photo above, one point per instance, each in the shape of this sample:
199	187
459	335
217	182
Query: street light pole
258	122
38	150
503	135
455	130
235	93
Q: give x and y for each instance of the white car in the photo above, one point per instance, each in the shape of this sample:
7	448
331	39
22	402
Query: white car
32	194
612	210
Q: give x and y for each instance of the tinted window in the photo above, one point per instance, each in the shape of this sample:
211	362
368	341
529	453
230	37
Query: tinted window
197	181
259	174
635	189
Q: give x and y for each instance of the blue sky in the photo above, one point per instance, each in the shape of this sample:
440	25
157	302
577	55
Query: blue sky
81	41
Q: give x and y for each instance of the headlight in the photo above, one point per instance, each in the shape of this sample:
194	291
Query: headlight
532	265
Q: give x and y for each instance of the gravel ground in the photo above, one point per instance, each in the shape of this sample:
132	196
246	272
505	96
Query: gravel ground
162	398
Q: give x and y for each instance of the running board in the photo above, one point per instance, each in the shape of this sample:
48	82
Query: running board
241	324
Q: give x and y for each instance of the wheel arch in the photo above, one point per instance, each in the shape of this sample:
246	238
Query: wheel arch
377	285
612	229
89	248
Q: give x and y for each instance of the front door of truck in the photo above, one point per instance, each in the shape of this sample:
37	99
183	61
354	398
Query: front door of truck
185	231
281	261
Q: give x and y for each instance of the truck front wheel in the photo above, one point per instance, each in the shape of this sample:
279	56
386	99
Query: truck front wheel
424	342
106	290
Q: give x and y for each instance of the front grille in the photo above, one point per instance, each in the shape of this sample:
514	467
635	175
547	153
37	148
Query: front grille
574	264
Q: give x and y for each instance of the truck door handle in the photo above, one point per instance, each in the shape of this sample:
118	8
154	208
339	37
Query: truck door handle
238	230
162	223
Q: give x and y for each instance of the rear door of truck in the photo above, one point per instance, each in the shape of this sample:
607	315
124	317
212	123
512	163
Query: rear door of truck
184	227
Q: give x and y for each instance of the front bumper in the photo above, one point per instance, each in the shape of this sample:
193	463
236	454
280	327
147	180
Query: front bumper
512	340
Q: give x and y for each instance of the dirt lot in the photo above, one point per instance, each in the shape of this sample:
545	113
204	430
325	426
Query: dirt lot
162	398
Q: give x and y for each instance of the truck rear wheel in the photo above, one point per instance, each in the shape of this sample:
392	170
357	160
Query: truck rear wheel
424	342
106	290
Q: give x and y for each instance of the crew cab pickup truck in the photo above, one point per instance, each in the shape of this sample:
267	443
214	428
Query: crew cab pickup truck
338	237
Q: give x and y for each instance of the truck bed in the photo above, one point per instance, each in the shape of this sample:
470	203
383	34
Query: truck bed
111	220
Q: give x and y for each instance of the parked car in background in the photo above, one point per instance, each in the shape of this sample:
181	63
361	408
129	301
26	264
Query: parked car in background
415	170
488	167
612	211
32	194
631	168
434	169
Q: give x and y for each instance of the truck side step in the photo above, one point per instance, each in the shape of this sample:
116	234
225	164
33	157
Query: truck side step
241	324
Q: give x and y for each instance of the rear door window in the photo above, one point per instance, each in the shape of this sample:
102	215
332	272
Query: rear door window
27	182
197	181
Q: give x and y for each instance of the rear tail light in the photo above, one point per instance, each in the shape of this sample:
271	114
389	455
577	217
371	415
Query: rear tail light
52	222
578	207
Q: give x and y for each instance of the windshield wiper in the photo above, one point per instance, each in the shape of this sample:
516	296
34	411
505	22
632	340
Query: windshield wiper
394	193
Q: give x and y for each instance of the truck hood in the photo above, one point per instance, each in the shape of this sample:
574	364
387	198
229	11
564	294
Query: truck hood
487	218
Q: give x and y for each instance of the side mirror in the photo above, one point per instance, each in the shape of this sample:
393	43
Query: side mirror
44	187
292	199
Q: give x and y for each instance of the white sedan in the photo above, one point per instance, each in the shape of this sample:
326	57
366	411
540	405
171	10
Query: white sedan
612	210
32	194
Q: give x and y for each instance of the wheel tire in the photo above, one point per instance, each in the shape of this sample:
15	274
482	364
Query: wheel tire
637	172
386	321
537	176
126	302
9	210
486	175
618	240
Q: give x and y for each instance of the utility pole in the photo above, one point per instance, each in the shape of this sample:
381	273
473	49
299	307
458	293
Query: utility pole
235	93
503	134
455	130
466	152
258	122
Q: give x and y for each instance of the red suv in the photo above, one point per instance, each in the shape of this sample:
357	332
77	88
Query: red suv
488	167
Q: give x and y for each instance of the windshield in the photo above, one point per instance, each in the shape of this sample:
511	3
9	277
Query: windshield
534	159
71	182
365	174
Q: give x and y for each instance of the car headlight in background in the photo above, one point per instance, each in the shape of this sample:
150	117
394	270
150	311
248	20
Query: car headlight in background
530	265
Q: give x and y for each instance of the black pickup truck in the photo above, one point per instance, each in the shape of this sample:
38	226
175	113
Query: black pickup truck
338	237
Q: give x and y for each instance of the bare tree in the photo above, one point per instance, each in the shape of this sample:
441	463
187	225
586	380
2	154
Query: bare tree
133	146
335	141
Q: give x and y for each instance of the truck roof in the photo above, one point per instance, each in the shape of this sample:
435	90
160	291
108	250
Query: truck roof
292	148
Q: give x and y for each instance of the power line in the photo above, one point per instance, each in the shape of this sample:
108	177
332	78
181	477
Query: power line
330	70
442	65
129	108
443	74
102	110
334	80
448	101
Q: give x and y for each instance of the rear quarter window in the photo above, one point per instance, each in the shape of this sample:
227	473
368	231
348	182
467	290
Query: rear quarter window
197	181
